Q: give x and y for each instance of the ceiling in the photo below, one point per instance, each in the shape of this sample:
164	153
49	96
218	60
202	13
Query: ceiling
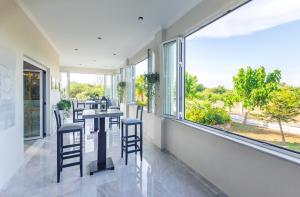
76	24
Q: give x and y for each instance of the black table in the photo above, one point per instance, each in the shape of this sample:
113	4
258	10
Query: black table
102	163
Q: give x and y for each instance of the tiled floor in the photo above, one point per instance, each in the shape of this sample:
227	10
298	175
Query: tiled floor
159	174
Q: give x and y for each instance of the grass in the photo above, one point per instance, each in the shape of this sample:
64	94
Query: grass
266	135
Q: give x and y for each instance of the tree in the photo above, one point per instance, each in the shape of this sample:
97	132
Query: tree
192	86
283	106
85	91
140	90
254	86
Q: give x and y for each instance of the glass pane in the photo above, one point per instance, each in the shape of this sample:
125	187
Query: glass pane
129	84
170	72
108	86
140	86
31	104
86	86
244	78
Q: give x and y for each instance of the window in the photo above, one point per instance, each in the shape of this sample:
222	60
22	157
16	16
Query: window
86	86
64	85
129	72
108	84
242	73
140	86
115	81
170	78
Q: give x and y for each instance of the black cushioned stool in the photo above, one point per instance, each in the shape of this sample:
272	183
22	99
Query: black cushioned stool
135	140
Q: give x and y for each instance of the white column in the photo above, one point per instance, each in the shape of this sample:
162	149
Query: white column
68	85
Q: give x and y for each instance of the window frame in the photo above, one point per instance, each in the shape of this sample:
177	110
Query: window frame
179	68
265	147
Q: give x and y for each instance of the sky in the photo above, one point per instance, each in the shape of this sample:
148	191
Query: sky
261	33
141	68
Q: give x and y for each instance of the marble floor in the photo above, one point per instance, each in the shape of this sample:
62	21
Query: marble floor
158	175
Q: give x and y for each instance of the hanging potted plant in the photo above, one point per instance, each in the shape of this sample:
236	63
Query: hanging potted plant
64	107
151	81
121	91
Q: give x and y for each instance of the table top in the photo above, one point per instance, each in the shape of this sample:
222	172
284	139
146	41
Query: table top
92	102
97	113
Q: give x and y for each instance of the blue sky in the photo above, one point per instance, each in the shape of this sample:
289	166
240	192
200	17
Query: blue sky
215	58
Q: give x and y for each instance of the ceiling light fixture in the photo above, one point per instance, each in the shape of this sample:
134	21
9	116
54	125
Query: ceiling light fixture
94	60
99	38
140	18
76	49
114	54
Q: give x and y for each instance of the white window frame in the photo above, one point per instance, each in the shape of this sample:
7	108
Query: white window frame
179	80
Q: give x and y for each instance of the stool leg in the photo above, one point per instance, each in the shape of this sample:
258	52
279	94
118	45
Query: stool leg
126	145
80	152
135	133
122	140
141	141
61	136
58	157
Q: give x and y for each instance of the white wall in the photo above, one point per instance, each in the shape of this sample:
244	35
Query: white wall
238	170
20	35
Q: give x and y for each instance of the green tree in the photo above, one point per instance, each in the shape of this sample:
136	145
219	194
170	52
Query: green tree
85	91
283	106
140	90
192	87
254	86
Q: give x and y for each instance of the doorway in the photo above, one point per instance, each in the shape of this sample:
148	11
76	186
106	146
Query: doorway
34	101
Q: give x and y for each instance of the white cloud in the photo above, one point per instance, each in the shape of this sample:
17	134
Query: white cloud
255	16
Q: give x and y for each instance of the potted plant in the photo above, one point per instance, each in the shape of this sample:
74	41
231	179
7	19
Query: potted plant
151	81
121	90
64	107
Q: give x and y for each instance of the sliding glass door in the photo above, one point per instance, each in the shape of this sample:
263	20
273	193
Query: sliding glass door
33	104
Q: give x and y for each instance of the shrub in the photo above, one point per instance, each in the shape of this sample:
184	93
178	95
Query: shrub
63	105
204	113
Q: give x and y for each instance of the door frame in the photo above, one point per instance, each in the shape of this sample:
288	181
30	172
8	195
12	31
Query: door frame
42	123
46	105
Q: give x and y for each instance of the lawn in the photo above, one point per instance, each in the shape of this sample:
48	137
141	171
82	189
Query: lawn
266	135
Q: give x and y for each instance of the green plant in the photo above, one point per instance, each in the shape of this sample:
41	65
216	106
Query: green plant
151	81
64	105
204	113
121	90
254	86
284	106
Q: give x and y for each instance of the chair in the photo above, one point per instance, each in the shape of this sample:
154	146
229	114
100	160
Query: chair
128	141
65	152
114	120
75	115
80	103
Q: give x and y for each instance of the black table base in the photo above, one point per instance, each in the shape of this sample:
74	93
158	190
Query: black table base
102	162
93	166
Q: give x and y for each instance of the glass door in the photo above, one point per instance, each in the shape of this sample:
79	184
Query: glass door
33	104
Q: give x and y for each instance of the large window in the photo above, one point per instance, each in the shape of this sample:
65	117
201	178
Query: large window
140	86
86	86
242	73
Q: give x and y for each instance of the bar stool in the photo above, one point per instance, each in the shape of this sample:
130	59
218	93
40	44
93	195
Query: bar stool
114	120
75	115
65	152
127	140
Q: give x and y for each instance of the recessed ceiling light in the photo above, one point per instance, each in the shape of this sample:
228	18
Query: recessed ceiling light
94	60
80	64
99	38
140	18
114	54
76	49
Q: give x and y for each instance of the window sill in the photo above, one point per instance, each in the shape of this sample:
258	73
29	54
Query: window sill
260	146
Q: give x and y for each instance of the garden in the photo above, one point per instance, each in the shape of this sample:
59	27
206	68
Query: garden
257	97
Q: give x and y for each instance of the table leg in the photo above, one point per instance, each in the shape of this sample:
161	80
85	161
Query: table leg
102	162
